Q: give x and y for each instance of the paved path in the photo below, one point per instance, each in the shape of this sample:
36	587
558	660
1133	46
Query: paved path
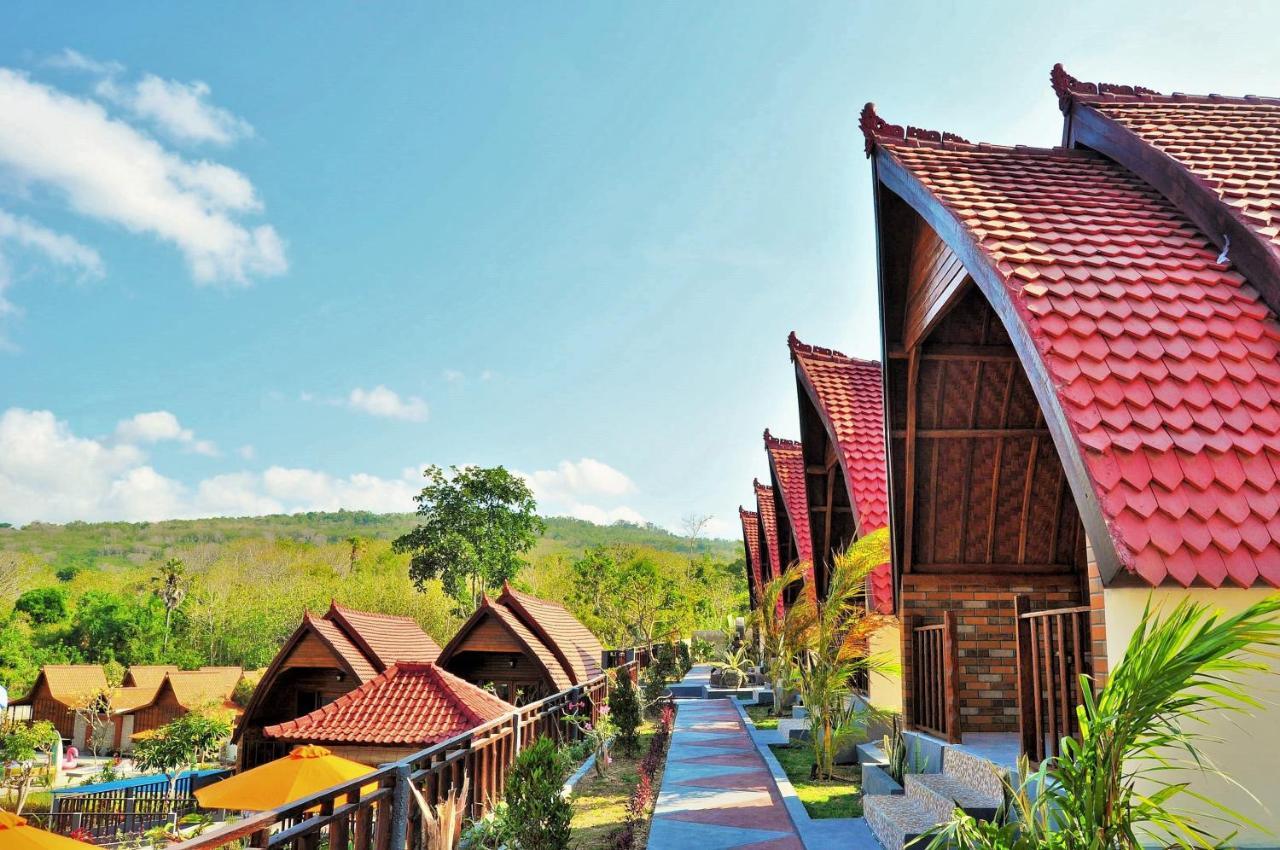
717	792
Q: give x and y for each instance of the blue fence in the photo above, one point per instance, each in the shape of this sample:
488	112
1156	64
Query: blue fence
125	807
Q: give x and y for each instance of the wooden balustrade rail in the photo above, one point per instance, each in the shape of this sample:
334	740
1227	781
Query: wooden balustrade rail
386	817
1053	653
935	679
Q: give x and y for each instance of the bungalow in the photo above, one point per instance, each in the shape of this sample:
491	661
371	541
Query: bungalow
1083	407
751	547
406	708
325	657
139	709
791	510
523	648
59	691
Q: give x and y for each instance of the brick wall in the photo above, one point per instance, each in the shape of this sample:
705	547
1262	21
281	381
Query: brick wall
1097	619
984	634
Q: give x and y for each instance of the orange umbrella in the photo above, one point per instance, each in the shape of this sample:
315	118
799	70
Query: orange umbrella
17	834
300	774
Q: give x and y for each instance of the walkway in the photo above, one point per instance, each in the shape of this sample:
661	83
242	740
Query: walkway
717	792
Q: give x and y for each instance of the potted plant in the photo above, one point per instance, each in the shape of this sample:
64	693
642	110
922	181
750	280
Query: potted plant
733	669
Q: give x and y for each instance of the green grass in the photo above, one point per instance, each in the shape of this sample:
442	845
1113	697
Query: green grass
600	803
828	798
761	717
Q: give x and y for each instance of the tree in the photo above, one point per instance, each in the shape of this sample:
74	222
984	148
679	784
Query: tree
477	522
357	546
171	587
20	744
624	707
182	744
629	598
107	626
43	605
536	809
94	710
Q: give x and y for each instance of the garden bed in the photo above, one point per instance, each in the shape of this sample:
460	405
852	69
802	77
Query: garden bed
600	802
827	798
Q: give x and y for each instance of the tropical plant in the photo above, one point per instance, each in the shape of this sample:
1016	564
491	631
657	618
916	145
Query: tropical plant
703	650
491	832
442	823
21	744
779	634
182	744
733	668
895	752
832	642
653	690
476	523
598	733
684	659
171	586
624	705
539	815
1124	783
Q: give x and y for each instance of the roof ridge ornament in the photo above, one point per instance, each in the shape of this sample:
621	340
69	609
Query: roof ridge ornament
1066	87
875	129
771	441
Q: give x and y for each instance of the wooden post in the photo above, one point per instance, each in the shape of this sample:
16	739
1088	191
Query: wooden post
951	675
1027	726
397	829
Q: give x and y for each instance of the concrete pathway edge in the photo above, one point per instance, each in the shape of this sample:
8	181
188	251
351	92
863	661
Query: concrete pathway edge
815	833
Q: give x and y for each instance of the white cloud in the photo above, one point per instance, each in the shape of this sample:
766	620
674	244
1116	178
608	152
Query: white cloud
74	60
453	376
161	426
49	473
246	451
58	248
384	402
180	110
574	488
106	169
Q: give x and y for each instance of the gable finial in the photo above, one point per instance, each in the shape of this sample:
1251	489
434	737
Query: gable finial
874	128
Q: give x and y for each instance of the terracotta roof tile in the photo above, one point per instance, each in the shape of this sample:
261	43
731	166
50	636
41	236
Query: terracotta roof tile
331	633
576	644
149	676
71	683
769	528
751	540
384	638
849	396
409	704
1082	223
786	463
544	653
197	688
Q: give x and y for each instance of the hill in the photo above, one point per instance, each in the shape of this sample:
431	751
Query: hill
86	592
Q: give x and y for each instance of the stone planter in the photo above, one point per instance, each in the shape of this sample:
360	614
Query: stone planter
876	780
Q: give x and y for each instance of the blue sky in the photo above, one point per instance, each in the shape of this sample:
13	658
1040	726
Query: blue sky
263	257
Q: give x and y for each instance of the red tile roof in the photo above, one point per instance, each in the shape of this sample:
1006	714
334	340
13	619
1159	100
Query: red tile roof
1163	362
769	527
573	643
751	539
541	652
849	397
409	704
384	638
786	463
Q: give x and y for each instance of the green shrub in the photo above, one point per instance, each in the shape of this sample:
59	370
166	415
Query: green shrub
624	707
684	659
537	813
653	687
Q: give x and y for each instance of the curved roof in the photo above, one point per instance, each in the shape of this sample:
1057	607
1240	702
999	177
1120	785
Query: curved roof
1155	364
769	528
849	396
385	638
751	540
409	704
573	643
786	466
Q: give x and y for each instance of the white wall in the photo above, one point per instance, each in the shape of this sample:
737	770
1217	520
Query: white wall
886	691
1249	749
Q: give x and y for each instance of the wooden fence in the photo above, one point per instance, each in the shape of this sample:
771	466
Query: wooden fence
127	807
1053	652
935	674
377	812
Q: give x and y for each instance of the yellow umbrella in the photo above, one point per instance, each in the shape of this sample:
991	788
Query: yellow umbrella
17	834
300	774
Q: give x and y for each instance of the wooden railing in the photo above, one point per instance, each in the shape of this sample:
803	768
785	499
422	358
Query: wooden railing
1053	652
935	674
377	812
126	807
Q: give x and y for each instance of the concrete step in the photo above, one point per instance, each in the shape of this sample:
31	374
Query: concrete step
870	753
687	691
897	822
975	771
940	795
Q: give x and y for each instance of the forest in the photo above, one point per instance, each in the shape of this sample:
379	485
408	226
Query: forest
96	592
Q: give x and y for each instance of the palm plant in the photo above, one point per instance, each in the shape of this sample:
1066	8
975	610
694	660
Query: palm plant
1123	780
779	633
733	668
834	634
